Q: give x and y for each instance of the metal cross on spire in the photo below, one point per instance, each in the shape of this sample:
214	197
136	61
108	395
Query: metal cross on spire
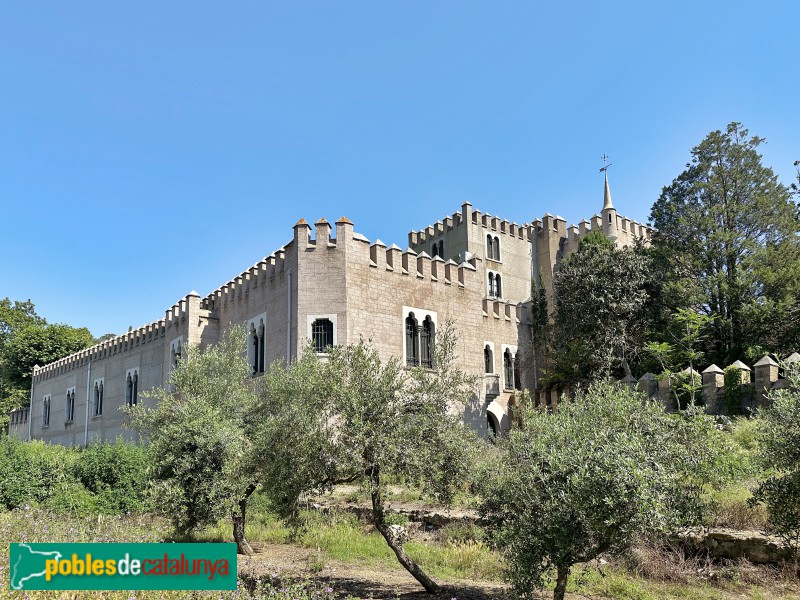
606	164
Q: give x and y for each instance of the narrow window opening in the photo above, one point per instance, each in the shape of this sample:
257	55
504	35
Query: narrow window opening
70	412
262	337
129	390
508	369
426	336
412	341
488	366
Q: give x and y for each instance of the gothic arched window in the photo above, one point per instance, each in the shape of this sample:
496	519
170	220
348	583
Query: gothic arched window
488	360
132	389
46	412
495	290
412	341
508	370
426	338
98	398
70	412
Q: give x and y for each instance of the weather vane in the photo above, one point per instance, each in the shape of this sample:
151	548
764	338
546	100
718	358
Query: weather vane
606	164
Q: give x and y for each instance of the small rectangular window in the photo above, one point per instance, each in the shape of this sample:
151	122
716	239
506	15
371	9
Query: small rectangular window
322	335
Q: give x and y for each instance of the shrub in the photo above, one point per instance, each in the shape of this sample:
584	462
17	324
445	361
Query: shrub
116	473
737	395
31	471
587	479
779	439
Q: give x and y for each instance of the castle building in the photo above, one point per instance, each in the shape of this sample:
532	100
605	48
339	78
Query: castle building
333	286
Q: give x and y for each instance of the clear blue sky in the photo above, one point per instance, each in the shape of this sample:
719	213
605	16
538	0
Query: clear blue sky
149	148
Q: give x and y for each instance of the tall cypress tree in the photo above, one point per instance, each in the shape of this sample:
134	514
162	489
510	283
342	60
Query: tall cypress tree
727	236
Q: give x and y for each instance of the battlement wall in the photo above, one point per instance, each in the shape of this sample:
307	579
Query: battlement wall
469	215
123	343
628	232
748	388
175	317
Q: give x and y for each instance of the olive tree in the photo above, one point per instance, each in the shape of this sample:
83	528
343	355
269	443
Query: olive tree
568	486
204	453
363	419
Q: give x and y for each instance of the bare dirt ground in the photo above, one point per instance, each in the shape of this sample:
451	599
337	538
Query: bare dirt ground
363	581
294	563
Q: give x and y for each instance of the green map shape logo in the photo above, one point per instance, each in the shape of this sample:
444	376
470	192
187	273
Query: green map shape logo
29	564
158	566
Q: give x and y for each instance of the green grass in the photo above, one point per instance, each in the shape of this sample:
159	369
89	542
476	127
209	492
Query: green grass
729	507
621	585
341	537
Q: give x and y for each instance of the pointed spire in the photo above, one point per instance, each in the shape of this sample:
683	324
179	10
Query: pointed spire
607	196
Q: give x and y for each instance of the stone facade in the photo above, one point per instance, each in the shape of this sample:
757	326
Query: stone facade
475	269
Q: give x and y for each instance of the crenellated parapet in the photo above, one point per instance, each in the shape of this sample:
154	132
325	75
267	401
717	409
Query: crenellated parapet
438	229
500	226
510	312
737	389
492	223
407	263
123	343
627	231
261	273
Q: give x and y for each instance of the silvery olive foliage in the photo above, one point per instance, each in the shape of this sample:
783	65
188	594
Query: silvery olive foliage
201	433
568	486
353	417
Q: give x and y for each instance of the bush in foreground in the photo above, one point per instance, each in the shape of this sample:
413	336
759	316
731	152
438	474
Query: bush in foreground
569	486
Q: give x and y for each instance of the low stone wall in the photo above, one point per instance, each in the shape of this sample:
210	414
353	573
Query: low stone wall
719	543
755	546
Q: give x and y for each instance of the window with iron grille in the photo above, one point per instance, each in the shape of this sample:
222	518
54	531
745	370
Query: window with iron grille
322	335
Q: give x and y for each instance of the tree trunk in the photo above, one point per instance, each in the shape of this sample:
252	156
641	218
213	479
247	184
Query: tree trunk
391	538
242	545
561	583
